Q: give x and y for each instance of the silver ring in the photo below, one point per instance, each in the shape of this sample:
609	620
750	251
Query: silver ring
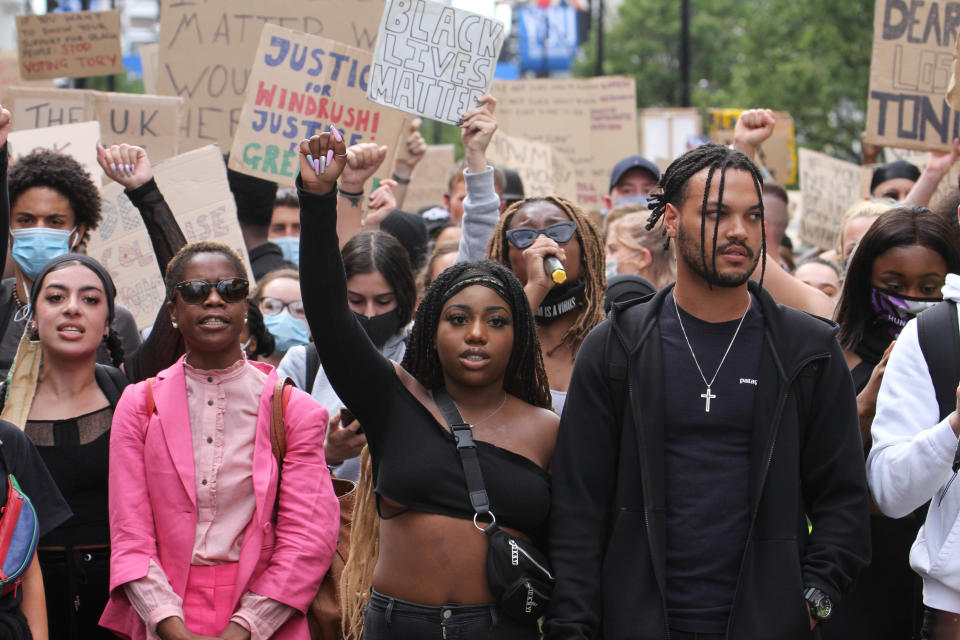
493	521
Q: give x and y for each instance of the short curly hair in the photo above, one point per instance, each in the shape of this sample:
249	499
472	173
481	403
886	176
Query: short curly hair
178	264
66	176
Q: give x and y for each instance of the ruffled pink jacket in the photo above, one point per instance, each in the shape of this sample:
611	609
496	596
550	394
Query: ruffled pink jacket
153	506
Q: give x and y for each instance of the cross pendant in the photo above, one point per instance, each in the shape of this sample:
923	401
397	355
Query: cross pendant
708	396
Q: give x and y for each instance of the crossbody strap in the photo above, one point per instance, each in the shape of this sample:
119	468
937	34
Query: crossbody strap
467	448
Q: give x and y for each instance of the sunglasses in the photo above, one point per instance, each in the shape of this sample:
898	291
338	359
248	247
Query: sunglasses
272	306
523	237
229	290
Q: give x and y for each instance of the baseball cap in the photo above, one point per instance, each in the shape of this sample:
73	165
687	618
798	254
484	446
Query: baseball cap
632	162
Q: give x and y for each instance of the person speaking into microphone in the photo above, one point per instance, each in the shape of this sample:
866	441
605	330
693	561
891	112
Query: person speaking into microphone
556	252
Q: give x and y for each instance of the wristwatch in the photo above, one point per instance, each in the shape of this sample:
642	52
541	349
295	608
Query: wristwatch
821	606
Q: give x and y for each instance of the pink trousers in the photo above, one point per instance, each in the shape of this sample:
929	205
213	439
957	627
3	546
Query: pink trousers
208	602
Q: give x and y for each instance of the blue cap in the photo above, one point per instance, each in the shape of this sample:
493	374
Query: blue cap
632	162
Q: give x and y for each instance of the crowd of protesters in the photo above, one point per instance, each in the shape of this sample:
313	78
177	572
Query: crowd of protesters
708	432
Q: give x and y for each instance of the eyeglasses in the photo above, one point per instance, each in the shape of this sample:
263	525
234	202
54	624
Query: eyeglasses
273	306
229	290
523	237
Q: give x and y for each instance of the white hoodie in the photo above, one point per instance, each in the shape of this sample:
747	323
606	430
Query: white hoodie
910	463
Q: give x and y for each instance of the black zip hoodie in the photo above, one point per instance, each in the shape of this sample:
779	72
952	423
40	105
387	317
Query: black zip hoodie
608	522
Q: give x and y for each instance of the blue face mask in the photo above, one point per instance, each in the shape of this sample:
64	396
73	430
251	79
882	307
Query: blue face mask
33	248
288	331
290	247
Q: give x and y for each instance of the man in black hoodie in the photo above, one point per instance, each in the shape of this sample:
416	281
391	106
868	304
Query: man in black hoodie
705	429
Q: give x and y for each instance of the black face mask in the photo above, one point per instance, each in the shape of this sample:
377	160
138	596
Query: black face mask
560	301
382	327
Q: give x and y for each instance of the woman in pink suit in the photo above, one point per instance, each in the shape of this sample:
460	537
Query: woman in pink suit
203	543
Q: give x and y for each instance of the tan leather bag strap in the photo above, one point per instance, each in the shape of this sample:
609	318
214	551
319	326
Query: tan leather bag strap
278	435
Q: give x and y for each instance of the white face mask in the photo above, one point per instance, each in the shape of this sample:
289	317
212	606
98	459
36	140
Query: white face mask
612	265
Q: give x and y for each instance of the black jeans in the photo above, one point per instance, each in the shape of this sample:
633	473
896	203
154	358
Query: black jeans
393	619
939	625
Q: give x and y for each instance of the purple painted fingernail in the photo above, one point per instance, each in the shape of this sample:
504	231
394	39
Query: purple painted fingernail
330	156
113	166
316	166
336	134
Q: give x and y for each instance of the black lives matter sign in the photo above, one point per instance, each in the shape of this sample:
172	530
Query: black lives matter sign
913	53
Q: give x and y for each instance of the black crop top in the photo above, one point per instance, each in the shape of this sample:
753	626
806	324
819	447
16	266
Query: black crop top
415	460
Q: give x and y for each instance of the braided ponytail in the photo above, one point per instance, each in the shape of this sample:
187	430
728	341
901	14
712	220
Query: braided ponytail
114	347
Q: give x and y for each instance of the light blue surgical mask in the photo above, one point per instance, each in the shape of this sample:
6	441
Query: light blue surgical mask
288	331
33	248
291	248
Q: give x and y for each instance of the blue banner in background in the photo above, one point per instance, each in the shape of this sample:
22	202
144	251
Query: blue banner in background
547	37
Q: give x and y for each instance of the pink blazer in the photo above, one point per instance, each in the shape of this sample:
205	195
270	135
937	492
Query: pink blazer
153	505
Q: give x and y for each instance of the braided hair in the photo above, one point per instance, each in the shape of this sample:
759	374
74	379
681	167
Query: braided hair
525	376
592	262
114	346
675	182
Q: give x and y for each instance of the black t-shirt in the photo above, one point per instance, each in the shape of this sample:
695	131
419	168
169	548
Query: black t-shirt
36	483
707	462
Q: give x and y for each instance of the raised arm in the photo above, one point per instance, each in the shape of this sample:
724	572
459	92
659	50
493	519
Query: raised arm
130	166
359	163
412	152
481	208
355	368
938	166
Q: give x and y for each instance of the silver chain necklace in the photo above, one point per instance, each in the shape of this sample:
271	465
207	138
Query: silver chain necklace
708	396
488	416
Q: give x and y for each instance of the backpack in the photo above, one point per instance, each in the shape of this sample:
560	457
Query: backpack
938	332
19	532
312	366
324	614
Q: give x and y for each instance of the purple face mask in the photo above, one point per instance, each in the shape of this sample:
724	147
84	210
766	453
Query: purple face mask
895	310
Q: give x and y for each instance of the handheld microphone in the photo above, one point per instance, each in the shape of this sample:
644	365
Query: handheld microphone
554	269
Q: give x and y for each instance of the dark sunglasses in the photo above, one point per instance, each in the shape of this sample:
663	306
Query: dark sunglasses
229	290
523	237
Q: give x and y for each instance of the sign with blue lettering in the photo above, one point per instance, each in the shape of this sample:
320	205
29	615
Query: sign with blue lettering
432	60
913	52
300	85
547	37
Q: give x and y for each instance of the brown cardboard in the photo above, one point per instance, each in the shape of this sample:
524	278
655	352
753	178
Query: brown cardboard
149	63
778	154
78	140
664	133
195	186
147	121
10	76
590	122
207	49
286	104
429	181
829	187
543	171
433	60
69	45
913	54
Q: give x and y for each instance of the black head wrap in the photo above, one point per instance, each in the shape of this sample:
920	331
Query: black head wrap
893	170
471	277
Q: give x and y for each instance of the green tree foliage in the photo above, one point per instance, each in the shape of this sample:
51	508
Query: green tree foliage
809	58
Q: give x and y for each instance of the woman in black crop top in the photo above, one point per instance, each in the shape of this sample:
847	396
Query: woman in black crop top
474	335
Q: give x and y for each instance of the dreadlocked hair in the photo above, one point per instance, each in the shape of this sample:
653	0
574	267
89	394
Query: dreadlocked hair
357	574
525	376
592	261
114	346
675	183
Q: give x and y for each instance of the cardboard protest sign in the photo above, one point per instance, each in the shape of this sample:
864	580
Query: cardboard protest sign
543	171
429	181
150	122
78	140
300	85
69	45
829	187
664	133
913	52
10	76
207	49
433	60
590	122
195	186
149	63
778	154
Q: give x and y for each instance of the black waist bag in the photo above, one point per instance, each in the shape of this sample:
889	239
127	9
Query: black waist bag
518	573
